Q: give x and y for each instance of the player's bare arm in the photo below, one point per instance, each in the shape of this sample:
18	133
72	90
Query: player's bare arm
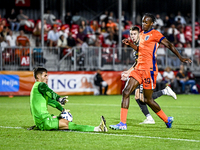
173	49
128	42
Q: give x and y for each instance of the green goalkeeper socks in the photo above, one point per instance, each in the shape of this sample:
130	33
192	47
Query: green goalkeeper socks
76	127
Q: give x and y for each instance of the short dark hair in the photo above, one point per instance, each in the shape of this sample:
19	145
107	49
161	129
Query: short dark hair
38	70
133	28
153	19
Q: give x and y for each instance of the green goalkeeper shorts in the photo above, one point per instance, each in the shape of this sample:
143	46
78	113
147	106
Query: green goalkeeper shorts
49	123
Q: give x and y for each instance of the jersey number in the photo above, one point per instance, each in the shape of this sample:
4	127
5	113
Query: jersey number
147	80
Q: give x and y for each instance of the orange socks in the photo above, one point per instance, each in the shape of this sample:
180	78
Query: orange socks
162	115
123	116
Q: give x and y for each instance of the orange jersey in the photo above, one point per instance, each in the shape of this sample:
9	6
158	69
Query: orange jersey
22	40
149	43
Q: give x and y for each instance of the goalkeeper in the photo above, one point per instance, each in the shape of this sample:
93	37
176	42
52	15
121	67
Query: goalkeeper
41	95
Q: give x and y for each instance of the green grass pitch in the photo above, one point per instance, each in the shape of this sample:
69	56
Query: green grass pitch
15	117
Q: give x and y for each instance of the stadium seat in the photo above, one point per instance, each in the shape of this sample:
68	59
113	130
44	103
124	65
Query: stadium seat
74	29
49	26
188	32
29	29
127	27
101	38
58	20
7	23
66	28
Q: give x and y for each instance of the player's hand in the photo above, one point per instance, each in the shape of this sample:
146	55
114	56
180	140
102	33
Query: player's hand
186	60
124	75
126	41
63	100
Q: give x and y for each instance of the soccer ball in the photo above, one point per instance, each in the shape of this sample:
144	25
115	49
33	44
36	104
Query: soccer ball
67	115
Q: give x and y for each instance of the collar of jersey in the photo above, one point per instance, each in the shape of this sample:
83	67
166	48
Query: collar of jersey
148	31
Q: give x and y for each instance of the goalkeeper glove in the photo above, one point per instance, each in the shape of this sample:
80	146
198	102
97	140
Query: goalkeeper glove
63	100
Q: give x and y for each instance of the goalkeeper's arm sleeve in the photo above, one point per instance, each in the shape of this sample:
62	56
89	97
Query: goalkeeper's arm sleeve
55	104
45	90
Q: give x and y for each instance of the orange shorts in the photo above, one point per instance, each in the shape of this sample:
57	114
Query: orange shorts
145	77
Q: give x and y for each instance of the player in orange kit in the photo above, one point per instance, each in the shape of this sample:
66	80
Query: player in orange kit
145	71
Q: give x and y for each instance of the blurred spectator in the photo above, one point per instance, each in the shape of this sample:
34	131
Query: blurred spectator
21	51
168	75
84	46
94	55
157	27
70	40
76	19
167	22
81	56
109	39
111	24
117	26
86	28
171	18
22	40
98	81
24	19
181	36
4	33
50	18
159	21
38	27
188	19
103	27
94	25
18	53
124	19
171	29
182	19
53	36
12	19
111	16
172	32
3	43
80	36
197	41
104	17
197	57
2	25
63	32
160	84
68	18
62	44
138	19
183	79
178	24
11	39
38	55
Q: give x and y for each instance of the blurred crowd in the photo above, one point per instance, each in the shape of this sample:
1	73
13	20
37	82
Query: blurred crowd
101	32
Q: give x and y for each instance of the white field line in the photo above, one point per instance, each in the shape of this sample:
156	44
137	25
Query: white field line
124	135
115	105
11	127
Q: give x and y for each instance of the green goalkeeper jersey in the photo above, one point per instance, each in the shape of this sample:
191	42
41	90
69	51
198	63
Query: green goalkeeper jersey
41	96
